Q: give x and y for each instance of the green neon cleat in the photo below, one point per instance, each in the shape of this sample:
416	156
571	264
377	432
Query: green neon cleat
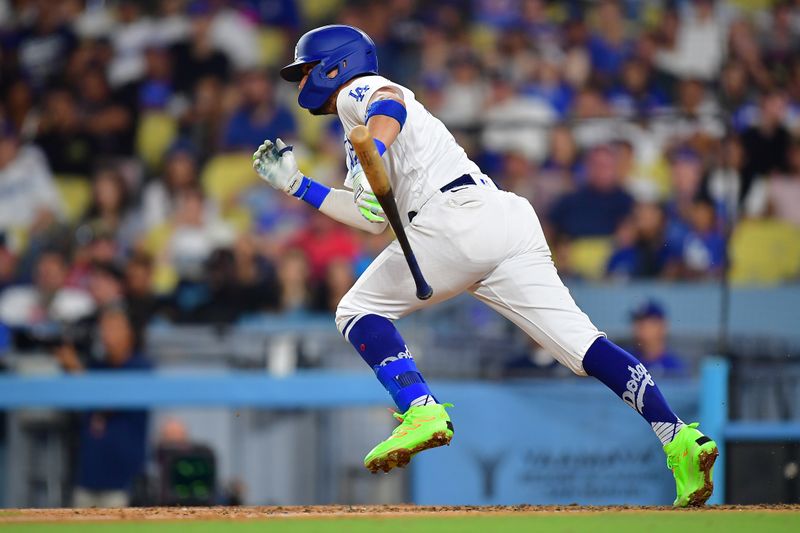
691	457
421	428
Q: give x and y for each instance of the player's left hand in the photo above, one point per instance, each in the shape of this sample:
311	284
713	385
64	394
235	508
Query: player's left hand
364	198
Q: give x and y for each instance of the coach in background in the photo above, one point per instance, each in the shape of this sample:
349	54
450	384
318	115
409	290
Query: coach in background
650	328
112	444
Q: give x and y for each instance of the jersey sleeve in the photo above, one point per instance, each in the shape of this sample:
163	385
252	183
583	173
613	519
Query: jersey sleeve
351	106
353	100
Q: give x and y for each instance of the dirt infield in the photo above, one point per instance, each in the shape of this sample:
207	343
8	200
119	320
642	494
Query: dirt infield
323	511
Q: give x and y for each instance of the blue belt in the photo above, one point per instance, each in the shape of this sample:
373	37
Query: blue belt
461	181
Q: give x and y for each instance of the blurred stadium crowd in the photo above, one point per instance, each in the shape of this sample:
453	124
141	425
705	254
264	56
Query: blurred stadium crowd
656	140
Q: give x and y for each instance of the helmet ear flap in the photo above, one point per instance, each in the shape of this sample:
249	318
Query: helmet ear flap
339	67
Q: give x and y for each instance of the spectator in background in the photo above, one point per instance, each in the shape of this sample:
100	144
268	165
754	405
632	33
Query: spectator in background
154	90
104	284
650	329
172	25
699	47
609	46
202	123
518	175
198	58
338	280
112	444
698	122
635	95
783	191
107	286
597	208
514	122
132	34
596	123
29	200
108	121
141	303
179	175
69	147
549	85
701	253
42	46
259	116
92	244
192	234
725	180
294	279
111	212
735	94
561	164
231	32
255	274
766	144
48	300
323	241
464	93
231	288
640	250
686	172
21	108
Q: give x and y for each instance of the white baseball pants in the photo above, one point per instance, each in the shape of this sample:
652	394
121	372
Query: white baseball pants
490	243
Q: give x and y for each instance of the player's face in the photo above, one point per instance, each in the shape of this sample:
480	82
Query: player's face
306	70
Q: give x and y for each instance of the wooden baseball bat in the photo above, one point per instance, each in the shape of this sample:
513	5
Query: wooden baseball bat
373	167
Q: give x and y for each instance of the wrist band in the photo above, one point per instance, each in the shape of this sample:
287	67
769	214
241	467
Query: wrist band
311	192
380	146
389	108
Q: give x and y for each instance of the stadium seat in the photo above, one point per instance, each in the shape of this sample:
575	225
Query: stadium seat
76	194
272	46
483	38
156	132
764	252
227	175
589	257
316	10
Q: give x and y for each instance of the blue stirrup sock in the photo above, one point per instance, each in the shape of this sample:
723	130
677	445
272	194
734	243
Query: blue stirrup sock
379	343
629	379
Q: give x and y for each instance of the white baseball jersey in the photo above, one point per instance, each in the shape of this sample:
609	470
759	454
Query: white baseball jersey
422	159
475	239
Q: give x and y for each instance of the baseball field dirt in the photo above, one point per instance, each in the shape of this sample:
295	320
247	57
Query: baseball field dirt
405	519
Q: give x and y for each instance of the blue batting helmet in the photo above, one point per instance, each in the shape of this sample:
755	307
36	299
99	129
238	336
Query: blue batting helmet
336	46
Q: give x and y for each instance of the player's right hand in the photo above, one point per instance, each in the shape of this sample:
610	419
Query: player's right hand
364	198
275	164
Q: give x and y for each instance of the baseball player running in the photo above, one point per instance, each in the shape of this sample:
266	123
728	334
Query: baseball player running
468	236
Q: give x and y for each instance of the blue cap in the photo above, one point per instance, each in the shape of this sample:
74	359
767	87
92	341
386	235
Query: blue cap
345	48
648	309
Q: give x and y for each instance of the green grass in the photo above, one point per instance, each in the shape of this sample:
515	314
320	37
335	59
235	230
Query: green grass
612	522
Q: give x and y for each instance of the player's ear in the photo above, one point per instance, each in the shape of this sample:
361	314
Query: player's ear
333	72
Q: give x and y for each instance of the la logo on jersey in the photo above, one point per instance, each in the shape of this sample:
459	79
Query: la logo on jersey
640	379
402	355
359	93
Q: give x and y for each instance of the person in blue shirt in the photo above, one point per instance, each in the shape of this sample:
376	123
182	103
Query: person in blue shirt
259	117
112	444
700	253
650	329
598	208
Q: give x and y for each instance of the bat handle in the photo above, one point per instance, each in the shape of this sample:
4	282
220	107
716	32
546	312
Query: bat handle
424	290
